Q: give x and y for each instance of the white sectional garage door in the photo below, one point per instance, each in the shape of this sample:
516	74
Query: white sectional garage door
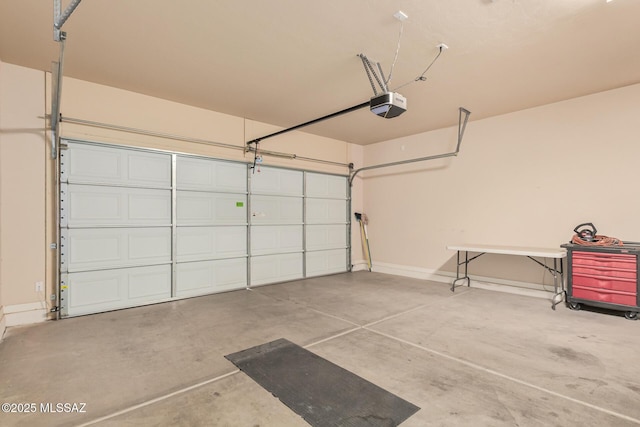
142	226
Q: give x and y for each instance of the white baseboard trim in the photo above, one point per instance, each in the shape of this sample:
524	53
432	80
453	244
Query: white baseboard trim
24	314
359	265
409	271
490	283
3	322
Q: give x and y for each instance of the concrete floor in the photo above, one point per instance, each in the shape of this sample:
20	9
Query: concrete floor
469	358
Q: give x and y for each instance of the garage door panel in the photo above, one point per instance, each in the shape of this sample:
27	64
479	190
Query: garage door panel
210	175
277	182
149	169
144	207
96	291
270	239
199	208
326	211
276	268
149	283
276	210
326	262
201	278
326	237
150	245
205	243
89	249
86	206
82	163
329	186
91	289
86	249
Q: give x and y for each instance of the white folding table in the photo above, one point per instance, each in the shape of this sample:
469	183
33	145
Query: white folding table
557	254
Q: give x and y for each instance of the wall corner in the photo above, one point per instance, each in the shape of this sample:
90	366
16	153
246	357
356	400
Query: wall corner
24	314
3	323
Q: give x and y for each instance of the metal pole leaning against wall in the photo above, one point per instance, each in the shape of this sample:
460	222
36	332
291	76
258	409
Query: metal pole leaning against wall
462	124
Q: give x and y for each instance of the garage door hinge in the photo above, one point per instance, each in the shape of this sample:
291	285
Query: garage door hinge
54	309
53	246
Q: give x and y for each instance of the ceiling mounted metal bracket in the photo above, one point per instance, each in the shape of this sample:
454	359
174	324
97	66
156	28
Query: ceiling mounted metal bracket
59	18
371	74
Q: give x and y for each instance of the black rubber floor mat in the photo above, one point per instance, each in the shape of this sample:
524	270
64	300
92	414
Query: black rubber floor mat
323	393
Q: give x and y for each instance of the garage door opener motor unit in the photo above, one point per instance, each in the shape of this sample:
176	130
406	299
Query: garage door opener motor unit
388	105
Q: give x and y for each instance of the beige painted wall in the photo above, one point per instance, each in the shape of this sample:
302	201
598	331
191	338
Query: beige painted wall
23	245
525	178
2	318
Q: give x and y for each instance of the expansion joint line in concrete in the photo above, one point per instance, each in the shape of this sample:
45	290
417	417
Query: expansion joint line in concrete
506	377
160	398
368	327
228	374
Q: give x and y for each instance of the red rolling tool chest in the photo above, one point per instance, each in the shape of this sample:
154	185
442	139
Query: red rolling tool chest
604	276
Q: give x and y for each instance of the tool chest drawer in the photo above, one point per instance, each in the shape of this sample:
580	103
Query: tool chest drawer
605	272
598	260
602	295
605	282
604	276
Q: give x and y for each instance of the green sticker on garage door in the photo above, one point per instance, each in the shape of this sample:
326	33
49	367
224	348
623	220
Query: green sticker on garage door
239	204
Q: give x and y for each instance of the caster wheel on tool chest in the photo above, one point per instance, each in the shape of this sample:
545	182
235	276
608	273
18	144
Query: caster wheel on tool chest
631	315
575	306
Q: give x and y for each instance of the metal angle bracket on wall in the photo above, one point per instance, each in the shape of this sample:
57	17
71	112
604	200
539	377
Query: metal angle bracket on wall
462	125
56	88
59	18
